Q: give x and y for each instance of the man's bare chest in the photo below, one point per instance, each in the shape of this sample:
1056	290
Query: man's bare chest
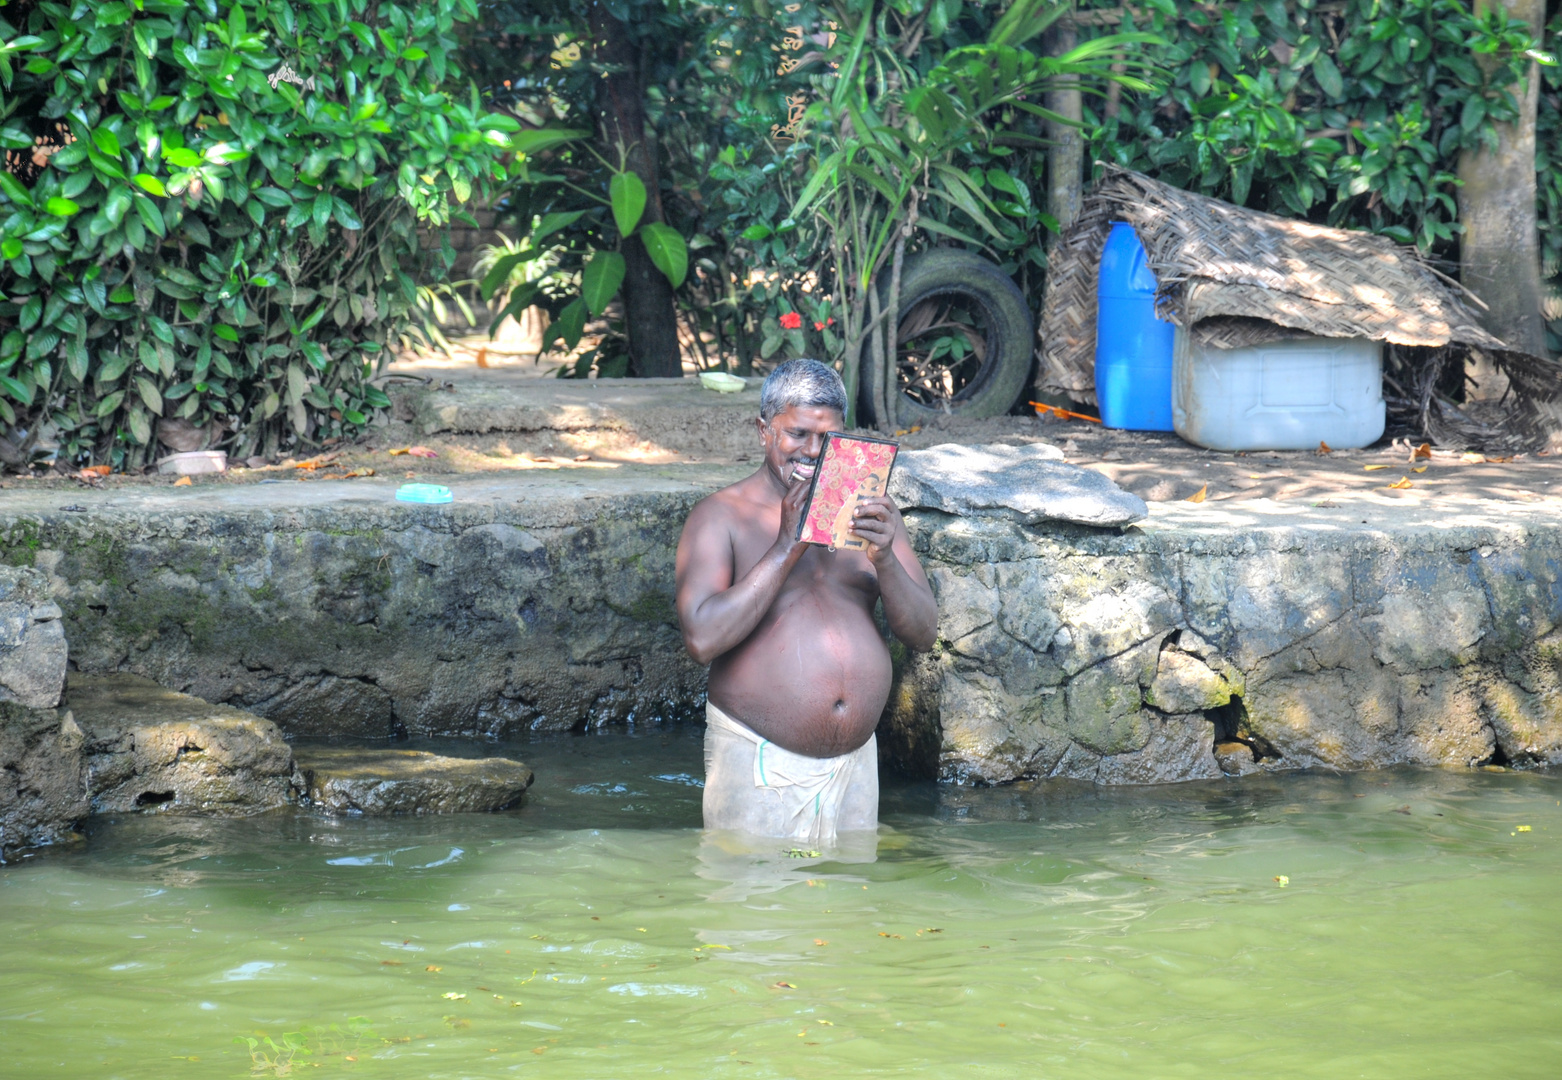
819	567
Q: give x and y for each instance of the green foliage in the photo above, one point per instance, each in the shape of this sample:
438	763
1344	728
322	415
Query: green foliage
212	247
892	158
1548	169
1354	117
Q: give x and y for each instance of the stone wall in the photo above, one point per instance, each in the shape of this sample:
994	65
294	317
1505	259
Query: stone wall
360	615
1203	641
1193	647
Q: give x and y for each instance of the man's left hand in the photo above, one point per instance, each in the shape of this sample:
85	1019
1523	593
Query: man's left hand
876	520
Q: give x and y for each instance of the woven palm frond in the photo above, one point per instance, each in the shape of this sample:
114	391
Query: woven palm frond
1235	277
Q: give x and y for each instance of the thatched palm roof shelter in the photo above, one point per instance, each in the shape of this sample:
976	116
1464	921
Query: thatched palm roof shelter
1236	277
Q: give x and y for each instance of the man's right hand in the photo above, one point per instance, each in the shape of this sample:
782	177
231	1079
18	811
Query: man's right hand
792	504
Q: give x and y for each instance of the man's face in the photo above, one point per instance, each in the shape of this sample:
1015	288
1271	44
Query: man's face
794	437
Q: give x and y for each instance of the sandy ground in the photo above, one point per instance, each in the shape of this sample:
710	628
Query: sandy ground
1157	467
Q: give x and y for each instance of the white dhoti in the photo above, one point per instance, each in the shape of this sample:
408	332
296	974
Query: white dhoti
754	786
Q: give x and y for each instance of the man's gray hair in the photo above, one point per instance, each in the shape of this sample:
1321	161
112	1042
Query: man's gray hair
805	383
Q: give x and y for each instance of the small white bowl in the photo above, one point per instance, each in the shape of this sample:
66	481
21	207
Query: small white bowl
721	382
194	463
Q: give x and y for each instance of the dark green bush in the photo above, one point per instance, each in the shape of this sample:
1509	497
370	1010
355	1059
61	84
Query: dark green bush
214	245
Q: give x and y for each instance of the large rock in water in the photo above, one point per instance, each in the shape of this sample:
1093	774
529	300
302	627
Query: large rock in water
148	748
1031	484
41	793
390	781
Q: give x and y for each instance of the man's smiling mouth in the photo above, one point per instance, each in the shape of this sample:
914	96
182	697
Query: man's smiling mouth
802	470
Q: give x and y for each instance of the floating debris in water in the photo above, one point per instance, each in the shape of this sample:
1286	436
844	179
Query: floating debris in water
1283	880
800	853
1524	828
453	996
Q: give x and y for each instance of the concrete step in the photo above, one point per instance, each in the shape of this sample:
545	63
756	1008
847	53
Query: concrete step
675	413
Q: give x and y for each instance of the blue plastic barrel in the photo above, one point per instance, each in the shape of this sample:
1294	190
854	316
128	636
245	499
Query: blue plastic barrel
1133	347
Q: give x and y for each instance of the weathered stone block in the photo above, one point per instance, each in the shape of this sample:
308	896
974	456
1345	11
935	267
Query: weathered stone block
41	792
346	780
32	640
148	748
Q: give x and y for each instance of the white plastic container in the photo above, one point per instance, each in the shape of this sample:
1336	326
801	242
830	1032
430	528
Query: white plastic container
1286	395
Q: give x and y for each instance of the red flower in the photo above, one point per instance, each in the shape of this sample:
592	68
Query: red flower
822	325
791	321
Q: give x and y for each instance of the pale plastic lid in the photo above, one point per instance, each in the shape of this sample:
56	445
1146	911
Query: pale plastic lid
423	493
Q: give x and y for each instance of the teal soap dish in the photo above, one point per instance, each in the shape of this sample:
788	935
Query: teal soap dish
423	493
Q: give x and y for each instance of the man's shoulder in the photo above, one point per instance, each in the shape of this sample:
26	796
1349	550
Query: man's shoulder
734	500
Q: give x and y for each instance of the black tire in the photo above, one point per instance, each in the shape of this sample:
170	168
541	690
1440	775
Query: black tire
1009	335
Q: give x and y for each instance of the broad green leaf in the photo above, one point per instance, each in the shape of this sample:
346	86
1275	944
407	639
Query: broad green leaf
668	252
600	280
519	301
539	139
626	192
552	223
17	389
568	327
60	207
148	391
14	190
109	404
150	215
149	183
106	141
181	158
11	248
140	427
1328	76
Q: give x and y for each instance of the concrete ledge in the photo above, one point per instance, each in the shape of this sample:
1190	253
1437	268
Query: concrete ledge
1359	635
543	602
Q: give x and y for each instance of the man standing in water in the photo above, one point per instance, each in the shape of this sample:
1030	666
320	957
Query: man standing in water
799	672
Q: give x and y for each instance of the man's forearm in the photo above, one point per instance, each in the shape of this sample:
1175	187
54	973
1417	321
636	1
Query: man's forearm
724	620
909	607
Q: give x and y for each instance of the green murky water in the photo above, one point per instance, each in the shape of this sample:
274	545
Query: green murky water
1020	931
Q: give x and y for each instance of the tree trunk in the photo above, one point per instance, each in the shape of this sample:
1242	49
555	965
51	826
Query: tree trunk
649	318
1499	252
1066	155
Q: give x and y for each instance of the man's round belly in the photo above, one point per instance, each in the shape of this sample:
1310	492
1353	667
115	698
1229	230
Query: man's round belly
812	679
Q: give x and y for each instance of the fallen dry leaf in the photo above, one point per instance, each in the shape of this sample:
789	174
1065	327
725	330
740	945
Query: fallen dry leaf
94	470
1421	469
820	941
1374	468
422	451
482	358
351	474
1198	496
399	452
433	967
1422	451
1402	483
183	481
784	986
1499	460
1324	448
316	462
1469	457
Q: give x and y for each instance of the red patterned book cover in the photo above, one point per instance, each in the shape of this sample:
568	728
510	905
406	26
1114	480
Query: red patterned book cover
851	467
